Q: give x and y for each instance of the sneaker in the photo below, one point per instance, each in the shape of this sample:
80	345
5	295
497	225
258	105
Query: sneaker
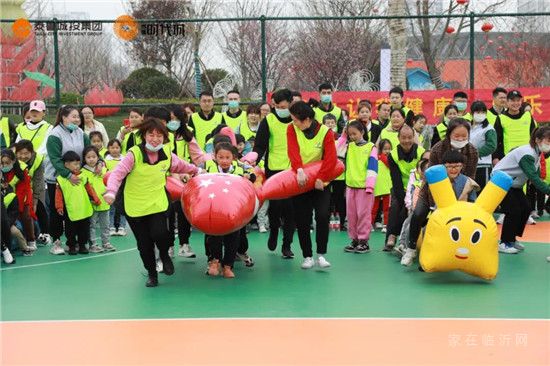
108	247
160	267
112	231
272	241
72	250
322	262
507	248
152	281
287	253
384	230
82	249
408	257
168	266
27	253
519	246
31	245
8	258
186	251
390	243
535	215
248	261
362	247
228	272
171	251
351	247
548	258
308	263
531	221
214	267
500	219
400	250
44	239
262	229
56	248
95	249
378	225
121	231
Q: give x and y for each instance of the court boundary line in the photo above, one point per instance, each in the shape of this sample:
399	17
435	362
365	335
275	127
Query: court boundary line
67	260
270	318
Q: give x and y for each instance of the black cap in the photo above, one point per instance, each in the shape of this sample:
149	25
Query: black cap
514	94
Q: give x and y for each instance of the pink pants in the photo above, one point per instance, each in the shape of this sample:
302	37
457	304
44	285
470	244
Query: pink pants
359	208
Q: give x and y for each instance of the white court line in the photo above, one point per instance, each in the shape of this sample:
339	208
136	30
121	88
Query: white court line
68	260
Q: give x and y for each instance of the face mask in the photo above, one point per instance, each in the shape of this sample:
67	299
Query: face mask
283	113
152	148
6	169
173	125
326	98
461	106
28	120
479	117
544	148
71	127
233	104
458	144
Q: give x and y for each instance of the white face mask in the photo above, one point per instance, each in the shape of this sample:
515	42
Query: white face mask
544	148
459	144
479	117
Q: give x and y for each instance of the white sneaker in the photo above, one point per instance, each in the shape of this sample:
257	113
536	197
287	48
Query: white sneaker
308	263
507	248
32	245
535	215
322	262
108	247
408	257
519	246
531	221
262	229
112	231
186	251
56	248
94	248
548	259
171	251
378	225
384	230
6	255
500	219
159	265
121	231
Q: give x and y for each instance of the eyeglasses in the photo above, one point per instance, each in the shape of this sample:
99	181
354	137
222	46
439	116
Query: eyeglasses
453	166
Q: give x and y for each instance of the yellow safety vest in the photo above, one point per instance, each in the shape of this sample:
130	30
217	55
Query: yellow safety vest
212	167
8	199
441	129
5	128
467	117
137	140
39	158
491	117
516	132
357	159
234	122
35	136
319	113
13	182
406	167
278	155
96	181
389	134
75	197
111	163
144	191
311	150
204	127
383	180
246	131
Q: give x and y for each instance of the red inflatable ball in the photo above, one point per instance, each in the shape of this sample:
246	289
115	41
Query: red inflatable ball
219	204
104	95
284	184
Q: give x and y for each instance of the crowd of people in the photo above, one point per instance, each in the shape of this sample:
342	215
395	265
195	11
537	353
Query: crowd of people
52	175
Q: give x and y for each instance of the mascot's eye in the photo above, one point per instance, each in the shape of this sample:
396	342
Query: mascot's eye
455	234
476	236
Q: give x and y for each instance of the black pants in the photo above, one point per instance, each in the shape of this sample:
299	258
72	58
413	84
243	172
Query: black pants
536	198
243	241
483	175
282	210
77	232
229	242
6	232
516	208
184	227
305	204
56	220
43	219
419	219
398	214
338	199
151	230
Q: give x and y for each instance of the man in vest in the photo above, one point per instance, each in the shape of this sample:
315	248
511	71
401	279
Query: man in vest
499	105
326	106
513	127
206	120
271	140
383	117
234	115
396	99
7	132
36	130
460	100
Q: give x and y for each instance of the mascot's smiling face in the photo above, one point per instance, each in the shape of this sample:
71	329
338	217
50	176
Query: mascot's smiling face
461	235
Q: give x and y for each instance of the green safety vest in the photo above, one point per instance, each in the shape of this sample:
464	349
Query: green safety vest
212	167
246	131
144	191
406	167
311	150
516	132
467	117
406	110
383	180
234	122
491	117
8	199
204	127
111	163
75	197
39	158
182	150
13	182
547	179
137	140
278	155
357	159
96	181
441	129
5	128
389	134
319	113
35	136
102	153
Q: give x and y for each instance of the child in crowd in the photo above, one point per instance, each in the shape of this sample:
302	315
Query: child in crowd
96	139
338	185
117	221
383	185
11	204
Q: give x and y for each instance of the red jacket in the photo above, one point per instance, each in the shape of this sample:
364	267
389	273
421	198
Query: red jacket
23	191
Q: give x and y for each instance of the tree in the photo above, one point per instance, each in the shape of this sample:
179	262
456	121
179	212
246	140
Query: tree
332	50
210	77
398	43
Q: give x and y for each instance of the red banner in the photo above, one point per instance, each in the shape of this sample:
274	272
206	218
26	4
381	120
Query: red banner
431	103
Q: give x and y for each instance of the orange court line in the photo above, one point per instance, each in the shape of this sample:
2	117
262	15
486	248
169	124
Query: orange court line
539	233
278	342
